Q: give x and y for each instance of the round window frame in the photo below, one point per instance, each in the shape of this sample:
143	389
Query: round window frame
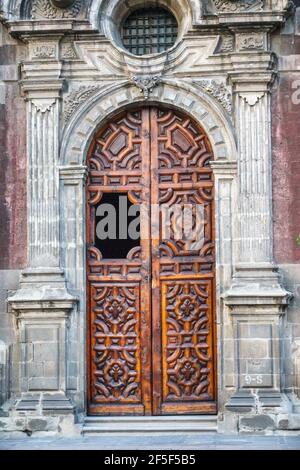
113	16
146	7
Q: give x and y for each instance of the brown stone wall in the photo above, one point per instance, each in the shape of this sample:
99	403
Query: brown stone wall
12	159
286	146
286	186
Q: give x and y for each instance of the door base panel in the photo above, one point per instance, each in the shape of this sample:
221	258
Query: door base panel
148	425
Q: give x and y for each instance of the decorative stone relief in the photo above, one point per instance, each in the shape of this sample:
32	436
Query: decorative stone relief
74	100
218	91
226	44
44	51
232	6
68	52
42	9
146	84
248	42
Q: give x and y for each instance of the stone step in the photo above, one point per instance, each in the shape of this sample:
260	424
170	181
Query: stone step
105	425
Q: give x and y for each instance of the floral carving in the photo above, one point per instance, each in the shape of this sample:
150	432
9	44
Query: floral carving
76	98
232	6
186	308
116	373
218	91
117	352
114	309
188	371
146	83
250	42
46	9
187	341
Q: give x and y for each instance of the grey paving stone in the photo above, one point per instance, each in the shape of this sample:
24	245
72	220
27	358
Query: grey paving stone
166	442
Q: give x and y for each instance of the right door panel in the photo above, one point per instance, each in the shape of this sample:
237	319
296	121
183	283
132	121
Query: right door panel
183	266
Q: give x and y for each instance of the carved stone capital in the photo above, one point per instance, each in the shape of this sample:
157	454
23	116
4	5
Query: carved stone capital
247	82
47	90
252	98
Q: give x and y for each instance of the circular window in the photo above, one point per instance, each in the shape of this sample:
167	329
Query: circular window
149	31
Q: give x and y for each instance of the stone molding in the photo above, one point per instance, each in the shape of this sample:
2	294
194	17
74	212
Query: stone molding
190	13
180	93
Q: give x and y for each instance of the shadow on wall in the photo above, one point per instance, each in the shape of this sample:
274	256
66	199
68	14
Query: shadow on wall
4	373
26	8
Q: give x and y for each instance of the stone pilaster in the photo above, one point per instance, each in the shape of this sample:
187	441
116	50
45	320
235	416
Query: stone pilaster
42	305
256	298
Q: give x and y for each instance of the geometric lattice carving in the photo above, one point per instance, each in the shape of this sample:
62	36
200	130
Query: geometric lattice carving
151	313
116	337
188	370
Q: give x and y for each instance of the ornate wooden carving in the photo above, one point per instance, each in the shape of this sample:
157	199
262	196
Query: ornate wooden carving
151	316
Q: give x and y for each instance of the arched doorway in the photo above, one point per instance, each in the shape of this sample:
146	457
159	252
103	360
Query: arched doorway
151	292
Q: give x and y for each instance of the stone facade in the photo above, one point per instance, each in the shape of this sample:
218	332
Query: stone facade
63	73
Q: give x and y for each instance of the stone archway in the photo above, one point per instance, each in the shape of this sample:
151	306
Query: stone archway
79	132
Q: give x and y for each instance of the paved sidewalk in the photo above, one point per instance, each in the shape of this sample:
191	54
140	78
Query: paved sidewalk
161	442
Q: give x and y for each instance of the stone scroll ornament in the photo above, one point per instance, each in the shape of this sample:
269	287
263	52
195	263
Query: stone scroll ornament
76	98
218	91
232	6
55	9
146	83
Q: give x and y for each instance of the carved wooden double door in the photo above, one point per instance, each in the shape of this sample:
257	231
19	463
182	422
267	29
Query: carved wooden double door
151	329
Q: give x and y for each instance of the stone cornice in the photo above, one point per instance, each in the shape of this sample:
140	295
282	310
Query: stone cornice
267	17
46	27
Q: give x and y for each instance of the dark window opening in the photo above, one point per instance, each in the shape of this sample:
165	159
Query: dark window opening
149	31
117	226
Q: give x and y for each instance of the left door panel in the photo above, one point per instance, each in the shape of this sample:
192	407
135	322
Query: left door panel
118	284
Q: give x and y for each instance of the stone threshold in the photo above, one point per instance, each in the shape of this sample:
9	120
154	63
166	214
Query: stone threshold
124	425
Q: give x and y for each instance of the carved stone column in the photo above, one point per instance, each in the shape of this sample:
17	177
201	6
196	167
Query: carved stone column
42	305
256	299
